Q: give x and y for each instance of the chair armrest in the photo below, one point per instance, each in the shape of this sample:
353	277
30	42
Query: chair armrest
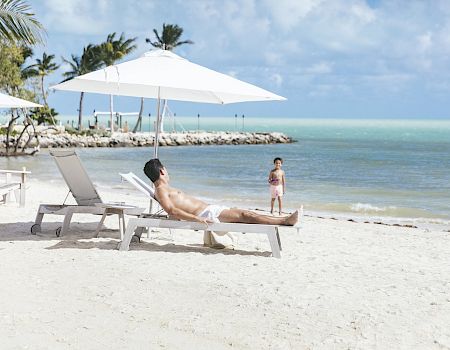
23	173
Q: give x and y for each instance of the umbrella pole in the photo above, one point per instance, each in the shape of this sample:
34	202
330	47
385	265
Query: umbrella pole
158	123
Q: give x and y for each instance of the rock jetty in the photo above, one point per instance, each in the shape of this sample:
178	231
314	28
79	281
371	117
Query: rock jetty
63	140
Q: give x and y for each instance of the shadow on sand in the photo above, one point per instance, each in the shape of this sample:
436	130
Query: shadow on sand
154	247
81	236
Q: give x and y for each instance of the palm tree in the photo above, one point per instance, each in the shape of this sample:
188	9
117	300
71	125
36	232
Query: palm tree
17	23
111	51
26	72
41	69
168	40
88	62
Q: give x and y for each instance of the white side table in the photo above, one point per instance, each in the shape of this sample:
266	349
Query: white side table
120	210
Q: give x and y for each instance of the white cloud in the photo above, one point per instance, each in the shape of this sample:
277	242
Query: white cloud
319	68
388	82
277	79
424	41
325	46
78	16
287	13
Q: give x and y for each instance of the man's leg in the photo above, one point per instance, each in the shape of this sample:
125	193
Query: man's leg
272	203
279	205
248	217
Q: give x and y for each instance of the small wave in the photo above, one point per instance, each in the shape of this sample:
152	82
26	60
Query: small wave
366	207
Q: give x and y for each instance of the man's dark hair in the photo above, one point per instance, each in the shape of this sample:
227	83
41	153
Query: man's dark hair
278	158
152	168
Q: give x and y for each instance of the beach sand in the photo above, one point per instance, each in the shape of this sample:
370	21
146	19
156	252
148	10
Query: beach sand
338	285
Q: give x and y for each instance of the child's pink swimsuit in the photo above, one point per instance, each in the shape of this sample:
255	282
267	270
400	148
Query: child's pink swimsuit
276	191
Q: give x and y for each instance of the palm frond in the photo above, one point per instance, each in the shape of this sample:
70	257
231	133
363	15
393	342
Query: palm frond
17	23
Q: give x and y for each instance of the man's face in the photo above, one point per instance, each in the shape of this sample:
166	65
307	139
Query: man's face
165	174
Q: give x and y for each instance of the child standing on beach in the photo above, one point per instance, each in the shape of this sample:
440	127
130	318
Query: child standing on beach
277	184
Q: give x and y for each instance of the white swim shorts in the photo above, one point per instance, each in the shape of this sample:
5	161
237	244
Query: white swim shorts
212	212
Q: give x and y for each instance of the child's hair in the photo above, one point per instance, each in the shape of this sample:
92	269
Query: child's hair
278	158
152	168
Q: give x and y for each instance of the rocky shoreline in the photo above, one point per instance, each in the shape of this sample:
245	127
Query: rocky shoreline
63	140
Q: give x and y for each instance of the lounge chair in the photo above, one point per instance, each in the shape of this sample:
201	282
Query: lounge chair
82	189
136	226
17	187
146	189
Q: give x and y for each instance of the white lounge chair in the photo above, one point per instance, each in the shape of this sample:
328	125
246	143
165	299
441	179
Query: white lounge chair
136	226
14	186
145	188
82	189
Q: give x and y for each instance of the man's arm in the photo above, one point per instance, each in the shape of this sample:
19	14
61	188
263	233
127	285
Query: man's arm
172	210
284	182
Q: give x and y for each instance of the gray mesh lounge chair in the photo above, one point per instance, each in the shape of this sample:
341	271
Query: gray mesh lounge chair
82	189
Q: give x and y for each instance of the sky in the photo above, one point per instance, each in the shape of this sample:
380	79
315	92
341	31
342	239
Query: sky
329	58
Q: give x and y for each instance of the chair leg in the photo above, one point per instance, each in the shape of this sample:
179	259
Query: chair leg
125	243
278	239
139	231
39	216
274	245
66	222
100	224
121	225
22	195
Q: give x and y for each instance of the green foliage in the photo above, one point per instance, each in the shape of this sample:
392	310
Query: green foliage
4	131
113	50
17	23
44	66
169	38
88	62
11	58
44	115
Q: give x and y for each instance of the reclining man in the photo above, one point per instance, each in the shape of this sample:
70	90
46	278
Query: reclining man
185	207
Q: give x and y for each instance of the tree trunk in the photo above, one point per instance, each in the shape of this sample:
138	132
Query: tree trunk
111	118
139	121
80	112
43	91
9	130
44	97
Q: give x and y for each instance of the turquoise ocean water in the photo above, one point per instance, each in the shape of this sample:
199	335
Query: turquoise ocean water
377	168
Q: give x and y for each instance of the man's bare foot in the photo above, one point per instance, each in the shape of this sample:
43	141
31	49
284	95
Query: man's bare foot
292	219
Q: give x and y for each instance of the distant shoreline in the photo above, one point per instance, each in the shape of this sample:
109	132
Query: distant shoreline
140	139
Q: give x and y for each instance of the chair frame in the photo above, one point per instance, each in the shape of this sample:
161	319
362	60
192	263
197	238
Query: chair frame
271	231
93	205
18	188
136	226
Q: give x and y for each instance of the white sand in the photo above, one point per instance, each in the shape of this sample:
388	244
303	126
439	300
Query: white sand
339	285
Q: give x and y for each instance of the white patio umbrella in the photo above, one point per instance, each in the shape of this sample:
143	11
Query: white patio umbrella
163	75
7	101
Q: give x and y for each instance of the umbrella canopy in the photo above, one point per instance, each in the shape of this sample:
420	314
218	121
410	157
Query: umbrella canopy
165	75
7	101
162	75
